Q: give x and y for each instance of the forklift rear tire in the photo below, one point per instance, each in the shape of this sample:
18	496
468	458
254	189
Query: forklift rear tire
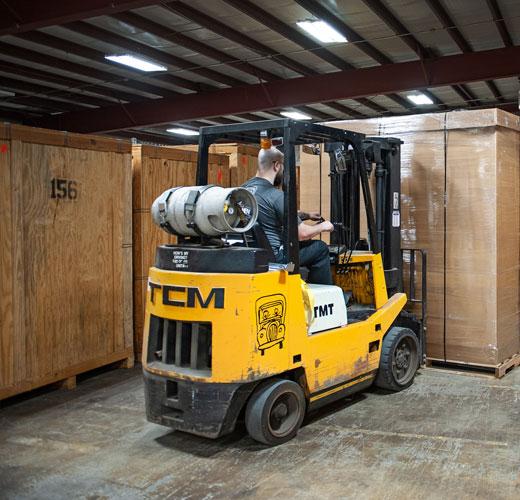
275	411
399	360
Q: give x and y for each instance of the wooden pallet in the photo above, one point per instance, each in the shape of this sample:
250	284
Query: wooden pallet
472	369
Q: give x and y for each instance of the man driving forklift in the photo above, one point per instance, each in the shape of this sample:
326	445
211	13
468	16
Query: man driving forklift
314	254
230	335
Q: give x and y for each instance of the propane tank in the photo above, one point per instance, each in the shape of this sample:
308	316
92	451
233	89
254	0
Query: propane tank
205	210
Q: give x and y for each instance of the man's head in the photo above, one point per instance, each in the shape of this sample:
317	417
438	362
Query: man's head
270	165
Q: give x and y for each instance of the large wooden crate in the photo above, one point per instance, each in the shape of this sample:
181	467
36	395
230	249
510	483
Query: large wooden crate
156	169
65	255
243	159
461	202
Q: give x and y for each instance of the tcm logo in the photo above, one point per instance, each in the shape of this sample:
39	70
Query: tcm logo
187	296
324	310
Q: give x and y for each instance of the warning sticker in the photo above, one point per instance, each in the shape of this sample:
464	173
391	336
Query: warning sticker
396	201
396	218
180	259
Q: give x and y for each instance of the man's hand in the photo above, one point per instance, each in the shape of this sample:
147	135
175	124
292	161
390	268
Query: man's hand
327	226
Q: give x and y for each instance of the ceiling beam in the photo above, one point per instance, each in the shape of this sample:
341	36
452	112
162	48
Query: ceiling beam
500	22
28	15
8	114
465	93
79	69
449	24
351	84
354	113
139	48
88	53
148	26
225	31
44	103
85	52
71	84
23	87
384	13
216	26
293	35
321	12
317	115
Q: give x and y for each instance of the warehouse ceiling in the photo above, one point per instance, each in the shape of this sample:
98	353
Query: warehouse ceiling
227	61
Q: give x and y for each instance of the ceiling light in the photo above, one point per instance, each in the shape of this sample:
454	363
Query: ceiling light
296	115
322	31
419	99
182	131
136	62
6	93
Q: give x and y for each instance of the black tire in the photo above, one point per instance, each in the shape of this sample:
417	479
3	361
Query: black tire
399	359
275	411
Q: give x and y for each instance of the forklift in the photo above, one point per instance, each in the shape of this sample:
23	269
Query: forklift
229	334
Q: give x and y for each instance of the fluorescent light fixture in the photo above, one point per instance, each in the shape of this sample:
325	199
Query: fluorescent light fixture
136	62
322	31
182	131
296	115
6	93
419	99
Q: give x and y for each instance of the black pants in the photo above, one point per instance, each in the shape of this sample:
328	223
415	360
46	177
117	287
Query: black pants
314	254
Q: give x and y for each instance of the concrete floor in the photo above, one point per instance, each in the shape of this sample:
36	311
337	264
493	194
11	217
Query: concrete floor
448	436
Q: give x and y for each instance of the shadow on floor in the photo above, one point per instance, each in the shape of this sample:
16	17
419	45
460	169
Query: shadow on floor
239	439
106	378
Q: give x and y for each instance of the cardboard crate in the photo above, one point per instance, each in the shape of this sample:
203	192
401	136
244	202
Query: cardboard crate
460	201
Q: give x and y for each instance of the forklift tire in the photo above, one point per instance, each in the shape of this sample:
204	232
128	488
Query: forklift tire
399	359
275	411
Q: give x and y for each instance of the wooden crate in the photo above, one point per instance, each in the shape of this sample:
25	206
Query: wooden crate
65	255
243	159
156	169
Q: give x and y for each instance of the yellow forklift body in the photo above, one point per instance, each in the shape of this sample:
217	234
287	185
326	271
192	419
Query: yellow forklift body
259	327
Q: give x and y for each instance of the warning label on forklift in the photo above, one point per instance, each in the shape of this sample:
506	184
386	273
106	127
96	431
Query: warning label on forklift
180	259
396	218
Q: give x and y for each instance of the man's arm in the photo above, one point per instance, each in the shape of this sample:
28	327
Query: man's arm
307	232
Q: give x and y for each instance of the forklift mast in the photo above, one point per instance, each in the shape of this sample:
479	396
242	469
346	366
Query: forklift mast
382	159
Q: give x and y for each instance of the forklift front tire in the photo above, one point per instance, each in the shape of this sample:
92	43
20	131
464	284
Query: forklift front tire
399	360
275	411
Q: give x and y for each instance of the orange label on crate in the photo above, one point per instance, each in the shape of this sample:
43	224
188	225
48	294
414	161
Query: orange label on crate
219	176
244	160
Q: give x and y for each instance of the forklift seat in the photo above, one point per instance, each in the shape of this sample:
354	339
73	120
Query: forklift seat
260	240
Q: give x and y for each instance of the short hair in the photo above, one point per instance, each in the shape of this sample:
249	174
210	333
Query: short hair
266	158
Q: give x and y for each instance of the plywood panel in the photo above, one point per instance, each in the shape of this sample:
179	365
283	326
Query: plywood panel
71	255
6	266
